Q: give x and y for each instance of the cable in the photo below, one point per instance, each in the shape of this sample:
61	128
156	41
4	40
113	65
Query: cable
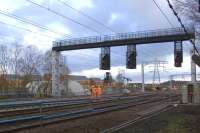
87	16
21	28
182	25
163	13
31	23
65	17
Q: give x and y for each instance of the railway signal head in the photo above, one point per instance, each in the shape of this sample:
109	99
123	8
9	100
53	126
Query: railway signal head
105	58
131	55
196	59
178	53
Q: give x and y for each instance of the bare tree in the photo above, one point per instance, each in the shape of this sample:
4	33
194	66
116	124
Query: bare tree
188	8
16	53
4	64
30	63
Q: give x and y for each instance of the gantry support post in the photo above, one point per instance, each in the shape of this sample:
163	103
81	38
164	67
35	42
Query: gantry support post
171	82
142	68
193	65
193	68
56	92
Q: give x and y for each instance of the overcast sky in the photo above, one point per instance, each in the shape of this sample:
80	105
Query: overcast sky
118	15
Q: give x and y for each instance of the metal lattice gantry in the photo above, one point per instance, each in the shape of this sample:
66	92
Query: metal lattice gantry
120	39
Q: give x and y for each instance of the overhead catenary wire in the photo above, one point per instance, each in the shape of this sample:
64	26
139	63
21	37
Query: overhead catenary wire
30	22
63	16
87	16
168	20
24	29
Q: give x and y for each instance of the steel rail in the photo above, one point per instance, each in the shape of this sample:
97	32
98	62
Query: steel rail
91	112
138	119
65	106
33	103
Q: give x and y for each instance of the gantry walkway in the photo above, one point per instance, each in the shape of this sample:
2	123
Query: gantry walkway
120	39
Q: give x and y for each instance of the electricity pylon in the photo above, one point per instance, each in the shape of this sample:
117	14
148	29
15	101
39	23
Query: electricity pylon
157	65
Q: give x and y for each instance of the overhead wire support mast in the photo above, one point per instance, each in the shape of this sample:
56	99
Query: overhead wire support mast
181	23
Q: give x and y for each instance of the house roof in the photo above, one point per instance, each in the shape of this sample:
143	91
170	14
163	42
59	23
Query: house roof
77	77
14	77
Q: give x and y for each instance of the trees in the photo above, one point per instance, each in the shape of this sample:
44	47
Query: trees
15	55
4	60
30	63
20	65
189	9
4	64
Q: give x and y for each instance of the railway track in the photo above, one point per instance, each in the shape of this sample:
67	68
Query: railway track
37	120
35	107
145	116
